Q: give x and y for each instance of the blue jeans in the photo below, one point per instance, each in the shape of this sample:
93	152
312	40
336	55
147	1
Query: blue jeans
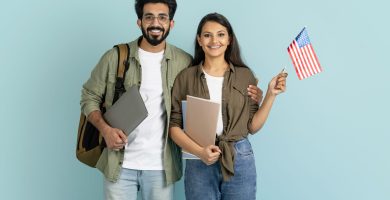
150	184
204	182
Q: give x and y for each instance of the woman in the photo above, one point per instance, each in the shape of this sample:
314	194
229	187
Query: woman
226	170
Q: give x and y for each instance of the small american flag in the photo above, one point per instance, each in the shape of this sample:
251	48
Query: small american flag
303	56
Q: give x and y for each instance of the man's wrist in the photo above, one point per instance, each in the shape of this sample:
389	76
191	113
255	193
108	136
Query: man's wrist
105	130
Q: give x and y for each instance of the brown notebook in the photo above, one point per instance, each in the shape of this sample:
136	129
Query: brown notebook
201	120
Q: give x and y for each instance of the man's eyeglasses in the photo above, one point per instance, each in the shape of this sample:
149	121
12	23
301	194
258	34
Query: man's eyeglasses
162	19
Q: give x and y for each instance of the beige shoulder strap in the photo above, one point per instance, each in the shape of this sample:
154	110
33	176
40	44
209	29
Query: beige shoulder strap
123	56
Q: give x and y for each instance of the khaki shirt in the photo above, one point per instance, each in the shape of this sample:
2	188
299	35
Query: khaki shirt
237	107
103	80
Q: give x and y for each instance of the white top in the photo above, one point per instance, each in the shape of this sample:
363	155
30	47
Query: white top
146	143
214	85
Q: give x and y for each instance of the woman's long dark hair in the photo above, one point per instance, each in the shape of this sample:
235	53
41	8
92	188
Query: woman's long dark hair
232	53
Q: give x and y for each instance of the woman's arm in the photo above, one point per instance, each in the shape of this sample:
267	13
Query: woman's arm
276	86
210	154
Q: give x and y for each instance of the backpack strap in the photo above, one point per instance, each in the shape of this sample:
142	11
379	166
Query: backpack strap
123	66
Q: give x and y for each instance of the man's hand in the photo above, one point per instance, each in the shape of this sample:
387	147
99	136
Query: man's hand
255	93
115	138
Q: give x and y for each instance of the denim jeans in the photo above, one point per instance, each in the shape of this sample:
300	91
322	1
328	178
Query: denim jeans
203	182
150	184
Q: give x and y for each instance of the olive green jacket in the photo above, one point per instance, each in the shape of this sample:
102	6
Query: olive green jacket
103	80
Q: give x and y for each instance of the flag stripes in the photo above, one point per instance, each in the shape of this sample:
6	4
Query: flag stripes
303	56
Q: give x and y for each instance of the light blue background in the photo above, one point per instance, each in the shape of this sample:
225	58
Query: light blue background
326	137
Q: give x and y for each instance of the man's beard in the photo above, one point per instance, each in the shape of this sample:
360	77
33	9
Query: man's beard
152	40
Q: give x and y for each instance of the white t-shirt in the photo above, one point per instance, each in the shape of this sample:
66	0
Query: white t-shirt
214	85
145	147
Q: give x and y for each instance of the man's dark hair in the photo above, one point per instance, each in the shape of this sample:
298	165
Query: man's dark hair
232	53
139	6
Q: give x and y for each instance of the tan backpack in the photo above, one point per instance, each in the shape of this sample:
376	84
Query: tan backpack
90	142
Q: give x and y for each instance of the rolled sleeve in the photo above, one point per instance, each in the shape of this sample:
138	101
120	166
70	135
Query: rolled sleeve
93	90
253	105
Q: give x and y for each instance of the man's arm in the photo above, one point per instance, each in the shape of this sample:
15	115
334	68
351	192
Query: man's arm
92	97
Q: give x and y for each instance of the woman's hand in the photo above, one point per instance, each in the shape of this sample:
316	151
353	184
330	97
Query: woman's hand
278	84
210	154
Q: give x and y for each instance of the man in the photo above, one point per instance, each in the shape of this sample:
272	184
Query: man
147	160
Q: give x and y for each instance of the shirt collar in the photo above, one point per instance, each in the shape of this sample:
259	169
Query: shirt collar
200	72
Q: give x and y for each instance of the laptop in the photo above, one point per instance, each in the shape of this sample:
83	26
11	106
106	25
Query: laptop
127	112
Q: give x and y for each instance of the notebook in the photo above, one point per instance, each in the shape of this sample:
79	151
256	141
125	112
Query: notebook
127	112
200	117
